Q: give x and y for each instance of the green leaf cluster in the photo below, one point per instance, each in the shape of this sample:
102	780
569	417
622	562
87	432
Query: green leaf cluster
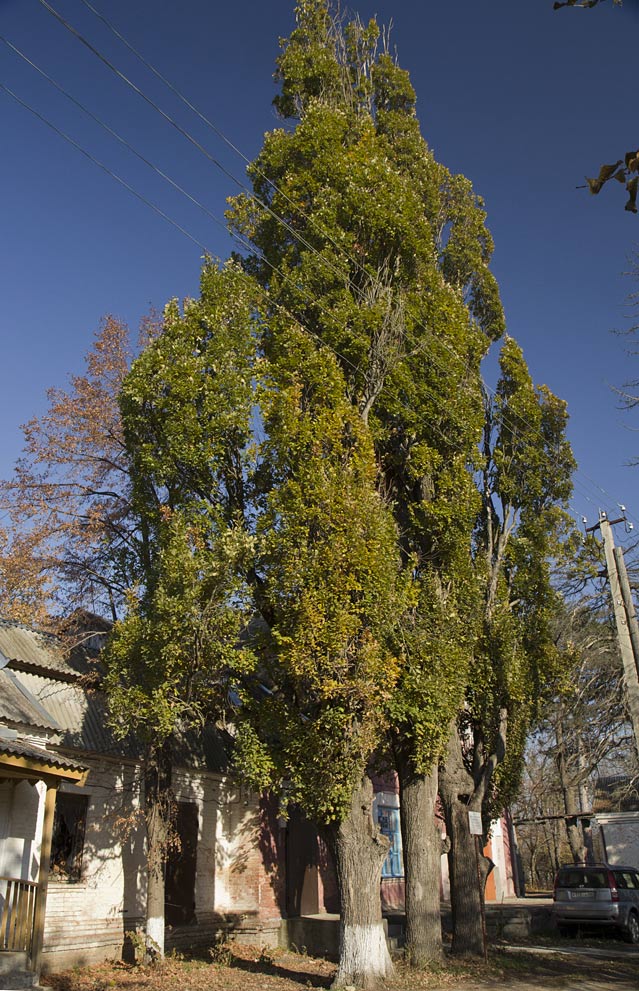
186	410
382	256
331	586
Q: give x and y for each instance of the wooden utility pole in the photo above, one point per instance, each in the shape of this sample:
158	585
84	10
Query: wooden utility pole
625	617
629	606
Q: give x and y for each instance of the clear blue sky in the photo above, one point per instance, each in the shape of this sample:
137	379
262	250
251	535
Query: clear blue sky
521	99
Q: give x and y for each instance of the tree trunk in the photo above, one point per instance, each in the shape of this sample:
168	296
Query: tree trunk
157	810
359	851
422	863
570	794
458	796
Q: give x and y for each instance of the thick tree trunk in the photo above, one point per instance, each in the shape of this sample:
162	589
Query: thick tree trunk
459	797
157	810
422	863
359	851
570	794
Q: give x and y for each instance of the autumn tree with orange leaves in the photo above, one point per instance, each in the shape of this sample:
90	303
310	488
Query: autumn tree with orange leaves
68	538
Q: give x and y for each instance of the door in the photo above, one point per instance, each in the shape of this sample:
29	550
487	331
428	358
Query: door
181	866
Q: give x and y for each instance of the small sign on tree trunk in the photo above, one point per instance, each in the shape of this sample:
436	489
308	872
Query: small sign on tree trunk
474	821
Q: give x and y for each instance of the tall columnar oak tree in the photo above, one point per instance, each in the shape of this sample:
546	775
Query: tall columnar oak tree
331	588
186	411
525	481
383	257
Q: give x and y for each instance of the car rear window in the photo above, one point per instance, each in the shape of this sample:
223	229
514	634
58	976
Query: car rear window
579	878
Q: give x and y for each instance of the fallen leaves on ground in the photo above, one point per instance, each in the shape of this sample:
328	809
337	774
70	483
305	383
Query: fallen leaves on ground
250	968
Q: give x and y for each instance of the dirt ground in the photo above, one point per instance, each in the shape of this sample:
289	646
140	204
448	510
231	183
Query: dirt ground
240	968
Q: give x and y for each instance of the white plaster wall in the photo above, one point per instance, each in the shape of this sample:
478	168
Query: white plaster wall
6	801
21	817
445	876
85	920
499	859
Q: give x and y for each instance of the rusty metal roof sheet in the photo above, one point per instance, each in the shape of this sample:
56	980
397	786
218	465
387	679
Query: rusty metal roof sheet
30	649
53	680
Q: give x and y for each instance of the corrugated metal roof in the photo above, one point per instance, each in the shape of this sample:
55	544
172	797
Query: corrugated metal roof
19	643
19	748
17	704
81	715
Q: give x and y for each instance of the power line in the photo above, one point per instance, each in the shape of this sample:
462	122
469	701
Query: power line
295	234
170	120
105	168
191	237
291	230
114	134
220	133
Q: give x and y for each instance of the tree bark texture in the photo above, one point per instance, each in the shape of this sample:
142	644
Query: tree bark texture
359	851
422	863
570	793
157	810
459	797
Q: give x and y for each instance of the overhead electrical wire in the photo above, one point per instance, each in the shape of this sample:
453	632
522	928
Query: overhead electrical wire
178	127
114	134
244	244
101	165
186	233
195	240
272	213
220	133
318	228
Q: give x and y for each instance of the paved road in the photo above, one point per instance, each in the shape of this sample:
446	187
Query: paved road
567	968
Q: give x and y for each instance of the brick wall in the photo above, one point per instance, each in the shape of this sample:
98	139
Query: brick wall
238	870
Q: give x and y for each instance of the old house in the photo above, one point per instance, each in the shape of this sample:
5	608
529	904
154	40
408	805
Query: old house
72	858
72	847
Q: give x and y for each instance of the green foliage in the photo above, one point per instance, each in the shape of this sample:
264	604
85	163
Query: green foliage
186	410
521	531
306	67
186	405
383	258
331	587
170	659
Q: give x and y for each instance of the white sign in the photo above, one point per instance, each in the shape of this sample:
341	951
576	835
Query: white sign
474	821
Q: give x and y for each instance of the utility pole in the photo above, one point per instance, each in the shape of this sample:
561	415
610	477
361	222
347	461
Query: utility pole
625	618
629	606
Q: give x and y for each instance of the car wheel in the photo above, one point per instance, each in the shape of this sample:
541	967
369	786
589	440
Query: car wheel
631	932
568	931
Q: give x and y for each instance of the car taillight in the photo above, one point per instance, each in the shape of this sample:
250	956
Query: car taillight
614	894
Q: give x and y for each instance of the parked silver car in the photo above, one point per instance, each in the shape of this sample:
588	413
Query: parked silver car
597	895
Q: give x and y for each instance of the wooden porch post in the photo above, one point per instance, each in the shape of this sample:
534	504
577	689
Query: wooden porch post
43	877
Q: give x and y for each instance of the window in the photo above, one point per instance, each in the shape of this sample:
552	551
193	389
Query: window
388	819
67	842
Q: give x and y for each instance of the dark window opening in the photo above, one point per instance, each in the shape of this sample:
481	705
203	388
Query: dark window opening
579	878
67	843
